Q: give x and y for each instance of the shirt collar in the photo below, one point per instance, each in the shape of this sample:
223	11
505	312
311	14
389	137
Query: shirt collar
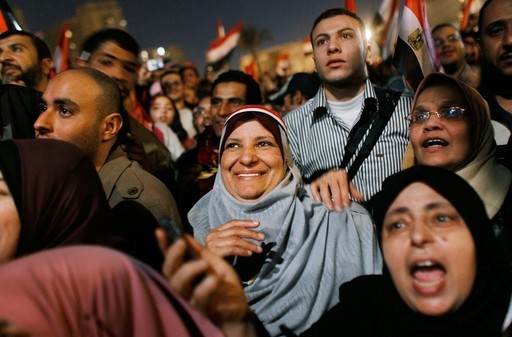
320	100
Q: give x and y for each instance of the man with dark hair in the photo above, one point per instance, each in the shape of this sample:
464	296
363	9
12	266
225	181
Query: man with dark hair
83	107
114	52
230	91
197	168
297	90
451	53
25	65
495	29
350	136
25	60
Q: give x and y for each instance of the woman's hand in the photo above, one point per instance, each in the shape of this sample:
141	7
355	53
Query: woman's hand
230	239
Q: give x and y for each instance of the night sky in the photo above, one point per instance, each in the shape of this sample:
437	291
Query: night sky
191	24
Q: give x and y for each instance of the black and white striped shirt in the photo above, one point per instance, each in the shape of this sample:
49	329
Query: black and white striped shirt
318	141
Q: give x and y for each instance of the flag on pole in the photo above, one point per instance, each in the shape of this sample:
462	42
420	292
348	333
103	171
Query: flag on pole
414	53
385	27
350	5
222	48
60	54
7	19
465	14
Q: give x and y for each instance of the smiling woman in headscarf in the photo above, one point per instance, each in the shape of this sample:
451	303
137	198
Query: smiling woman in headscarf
450	127
51	196
291	252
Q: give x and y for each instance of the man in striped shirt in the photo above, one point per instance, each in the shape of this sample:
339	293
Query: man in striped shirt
320	128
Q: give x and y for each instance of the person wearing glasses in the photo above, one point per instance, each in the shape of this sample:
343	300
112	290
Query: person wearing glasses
450	127
451	53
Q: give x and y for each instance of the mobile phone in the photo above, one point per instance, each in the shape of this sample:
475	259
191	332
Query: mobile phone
155	64
174	232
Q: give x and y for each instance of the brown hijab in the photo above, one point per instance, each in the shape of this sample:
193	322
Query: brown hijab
91	292
58	195
490	179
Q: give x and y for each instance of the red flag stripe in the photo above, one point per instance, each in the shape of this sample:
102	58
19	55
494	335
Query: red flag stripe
350	5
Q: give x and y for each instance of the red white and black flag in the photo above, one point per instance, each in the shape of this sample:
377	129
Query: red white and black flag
7	19
414	52
60	54
222	48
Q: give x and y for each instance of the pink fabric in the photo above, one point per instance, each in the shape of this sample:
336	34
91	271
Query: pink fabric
93	291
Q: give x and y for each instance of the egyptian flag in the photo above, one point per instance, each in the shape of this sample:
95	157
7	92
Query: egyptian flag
414	53
251	69
7	19
385	26
222	48
350	5
60	54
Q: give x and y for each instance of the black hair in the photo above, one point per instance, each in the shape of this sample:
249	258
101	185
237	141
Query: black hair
170	71
175	125
335	12
188	66
481	17
118	36
252	92
43	52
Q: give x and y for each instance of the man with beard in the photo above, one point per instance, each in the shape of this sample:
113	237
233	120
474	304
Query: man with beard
24	60
333	136
25	64
495	28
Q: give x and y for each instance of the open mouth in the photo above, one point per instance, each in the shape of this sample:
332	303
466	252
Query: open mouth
428	274
434	142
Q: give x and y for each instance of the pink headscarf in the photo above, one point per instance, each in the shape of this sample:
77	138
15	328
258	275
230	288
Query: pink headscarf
93	291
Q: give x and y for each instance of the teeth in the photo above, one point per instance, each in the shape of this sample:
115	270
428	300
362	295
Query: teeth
434	142
248	174
425	264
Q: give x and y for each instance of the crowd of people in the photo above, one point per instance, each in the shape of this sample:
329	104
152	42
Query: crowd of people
343	203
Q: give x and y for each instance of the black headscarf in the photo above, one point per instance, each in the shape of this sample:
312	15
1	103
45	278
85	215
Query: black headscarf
372	306
58	195
484	311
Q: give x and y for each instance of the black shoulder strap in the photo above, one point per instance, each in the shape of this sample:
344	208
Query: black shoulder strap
388	99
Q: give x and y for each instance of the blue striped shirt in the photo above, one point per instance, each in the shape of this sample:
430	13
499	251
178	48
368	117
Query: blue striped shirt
318	141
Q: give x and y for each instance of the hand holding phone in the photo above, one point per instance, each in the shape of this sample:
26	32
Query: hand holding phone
174	232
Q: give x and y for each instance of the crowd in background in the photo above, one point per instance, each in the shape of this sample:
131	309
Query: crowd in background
344	202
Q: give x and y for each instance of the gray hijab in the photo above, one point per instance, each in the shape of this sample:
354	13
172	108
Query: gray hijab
309	253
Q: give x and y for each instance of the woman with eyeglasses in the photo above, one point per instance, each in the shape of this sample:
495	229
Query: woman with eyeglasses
450	127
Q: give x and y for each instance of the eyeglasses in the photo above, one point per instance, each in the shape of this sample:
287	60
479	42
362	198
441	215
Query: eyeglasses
449	39
451	113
